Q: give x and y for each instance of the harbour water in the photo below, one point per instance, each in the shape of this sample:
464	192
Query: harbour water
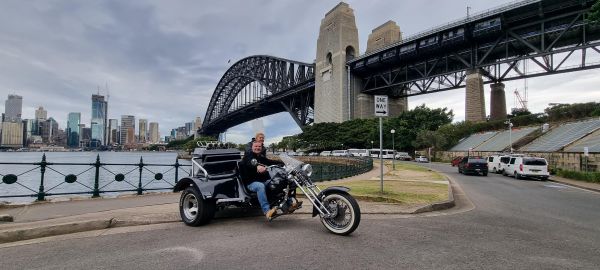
29	176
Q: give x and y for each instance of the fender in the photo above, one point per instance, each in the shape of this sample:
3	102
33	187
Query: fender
327	191
225	188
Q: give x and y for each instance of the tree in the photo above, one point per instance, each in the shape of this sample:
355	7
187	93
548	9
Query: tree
594	14
428	138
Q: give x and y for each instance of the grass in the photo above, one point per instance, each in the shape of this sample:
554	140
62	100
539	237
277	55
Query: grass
395	191
591	177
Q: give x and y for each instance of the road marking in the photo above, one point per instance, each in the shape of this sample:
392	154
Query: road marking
555	186
568	186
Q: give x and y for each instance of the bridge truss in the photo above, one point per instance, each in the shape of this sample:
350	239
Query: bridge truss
259	86
547	39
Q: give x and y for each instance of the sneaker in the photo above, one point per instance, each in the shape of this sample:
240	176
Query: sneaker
271	213
295	206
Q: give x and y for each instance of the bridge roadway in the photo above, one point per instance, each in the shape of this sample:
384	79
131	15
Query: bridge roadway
501	223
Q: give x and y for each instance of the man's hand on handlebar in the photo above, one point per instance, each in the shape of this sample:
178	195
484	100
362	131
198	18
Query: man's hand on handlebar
261	169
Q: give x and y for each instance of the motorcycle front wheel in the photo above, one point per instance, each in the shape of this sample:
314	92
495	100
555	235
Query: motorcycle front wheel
345	213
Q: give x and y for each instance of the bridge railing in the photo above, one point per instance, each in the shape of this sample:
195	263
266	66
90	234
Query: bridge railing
18	179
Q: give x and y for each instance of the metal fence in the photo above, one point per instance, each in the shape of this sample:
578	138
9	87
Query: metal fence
334	168
21	179
85	178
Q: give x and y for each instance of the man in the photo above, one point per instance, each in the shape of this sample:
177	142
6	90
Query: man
260	137
254	177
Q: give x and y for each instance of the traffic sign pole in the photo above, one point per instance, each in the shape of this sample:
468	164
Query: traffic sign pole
381	110
381	152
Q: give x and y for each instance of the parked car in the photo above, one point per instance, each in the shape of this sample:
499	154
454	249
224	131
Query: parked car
473	165
340	153
359	152
528	167
402	156
423	159
455	161
325	153
312	154
505	163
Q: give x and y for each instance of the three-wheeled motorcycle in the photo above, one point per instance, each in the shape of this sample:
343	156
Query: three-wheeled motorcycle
215	184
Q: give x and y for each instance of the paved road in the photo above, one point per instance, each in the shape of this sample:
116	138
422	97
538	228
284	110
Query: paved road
511	224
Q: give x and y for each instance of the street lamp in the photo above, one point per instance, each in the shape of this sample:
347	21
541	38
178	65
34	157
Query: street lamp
510	125
393	131
371	144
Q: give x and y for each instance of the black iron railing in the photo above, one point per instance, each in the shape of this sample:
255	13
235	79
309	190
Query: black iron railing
148	178
333	168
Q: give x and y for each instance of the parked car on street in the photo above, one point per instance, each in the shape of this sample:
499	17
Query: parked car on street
359	152
325	153
423	159
528	167
494	162
505	163
455	161
473	165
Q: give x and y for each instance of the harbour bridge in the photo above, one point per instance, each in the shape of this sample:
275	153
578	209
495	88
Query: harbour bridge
553	36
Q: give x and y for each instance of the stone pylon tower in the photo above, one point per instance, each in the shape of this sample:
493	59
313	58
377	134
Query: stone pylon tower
337	43
474	97
380	37
497	102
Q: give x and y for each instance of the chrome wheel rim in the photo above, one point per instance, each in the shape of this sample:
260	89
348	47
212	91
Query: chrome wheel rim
190	206
340	208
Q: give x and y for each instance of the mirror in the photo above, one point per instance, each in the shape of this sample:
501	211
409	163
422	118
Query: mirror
254	162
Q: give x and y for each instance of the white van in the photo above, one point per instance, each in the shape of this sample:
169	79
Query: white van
533	167
386	153
340	153
402	156
325	153
494	163
358	152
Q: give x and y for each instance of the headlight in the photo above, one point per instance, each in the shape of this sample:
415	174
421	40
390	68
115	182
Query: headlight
308	170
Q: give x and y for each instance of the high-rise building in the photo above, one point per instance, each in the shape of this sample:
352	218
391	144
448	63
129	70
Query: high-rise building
30	127
86	135
41	114
73	132
143	130
13	108
113	131
98	124
189	126
154	133
127	125
197	125
49	128
12	134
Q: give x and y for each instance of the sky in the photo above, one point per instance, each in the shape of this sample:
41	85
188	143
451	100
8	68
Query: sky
161	60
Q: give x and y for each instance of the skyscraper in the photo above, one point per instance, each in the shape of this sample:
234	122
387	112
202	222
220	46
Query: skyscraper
113	131
98	124
143	130
197	125
127	125
73	134
12	134
13	108
41	114
189	126
154	134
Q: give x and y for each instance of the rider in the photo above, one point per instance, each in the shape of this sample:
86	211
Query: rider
254	176
259	137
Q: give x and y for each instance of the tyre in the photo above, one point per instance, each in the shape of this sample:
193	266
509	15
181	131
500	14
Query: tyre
194	210
459	171
345	213
517	175
494	170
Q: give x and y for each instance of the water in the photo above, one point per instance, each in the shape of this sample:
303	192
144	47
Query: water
29	176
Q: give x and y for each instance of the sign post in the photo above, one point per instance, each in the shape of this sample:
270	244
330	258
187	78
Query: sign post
381	110
586	153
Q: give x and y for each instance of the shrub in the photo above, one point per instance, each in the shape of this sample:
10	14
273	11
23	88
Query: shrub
592	177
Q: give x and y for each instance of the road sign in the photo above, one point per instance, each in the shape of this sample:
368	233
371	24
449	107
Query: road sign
586	151
381	105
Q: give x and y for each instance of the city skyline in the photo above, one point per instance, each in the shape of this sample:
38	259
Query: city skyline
170	56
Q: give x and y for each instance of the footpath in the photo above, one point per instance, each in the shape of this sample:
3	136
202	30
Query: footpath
43	219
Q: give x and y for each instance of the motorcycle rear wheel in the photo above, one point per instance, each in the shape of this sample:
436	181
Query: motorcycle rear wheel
194	210
346	213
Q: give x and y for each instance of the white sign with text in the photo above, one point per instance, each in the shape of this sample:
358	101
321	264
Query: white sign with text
381	105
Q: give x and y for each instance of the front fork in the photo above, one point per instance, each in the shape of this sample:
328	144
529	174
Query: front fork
313	197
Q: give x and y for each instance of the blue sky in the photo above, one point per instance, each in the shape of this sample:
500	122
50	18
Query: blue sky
162	60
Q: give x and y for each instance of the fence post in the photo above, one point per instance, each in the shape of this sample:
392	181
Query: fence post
97	178
176	169
141	165
41	193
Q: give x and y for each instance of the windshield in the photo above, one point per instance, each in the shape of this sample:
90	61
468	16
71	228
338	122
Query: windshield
290	162
535	162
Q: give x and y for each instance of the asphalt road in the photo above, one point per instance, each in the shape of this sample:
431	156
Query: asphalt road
504	224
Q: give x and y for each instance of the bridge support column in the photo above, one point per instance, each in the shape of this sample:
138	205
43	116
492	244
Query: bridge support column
497	102
474	97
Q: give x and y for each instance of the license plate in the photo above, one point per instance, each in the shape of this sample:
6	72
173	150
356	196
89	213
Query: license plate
478	169
535	170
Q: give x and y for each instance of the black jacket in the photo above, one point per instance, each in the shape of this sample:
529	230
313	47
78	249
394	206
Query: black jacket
248	171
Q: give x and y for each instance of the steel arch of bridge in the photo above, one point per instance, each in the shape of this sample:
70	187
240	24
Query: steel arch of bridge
285	85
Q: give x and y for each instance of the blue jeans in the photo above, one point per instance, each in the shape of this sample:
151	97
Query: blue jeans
259	188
